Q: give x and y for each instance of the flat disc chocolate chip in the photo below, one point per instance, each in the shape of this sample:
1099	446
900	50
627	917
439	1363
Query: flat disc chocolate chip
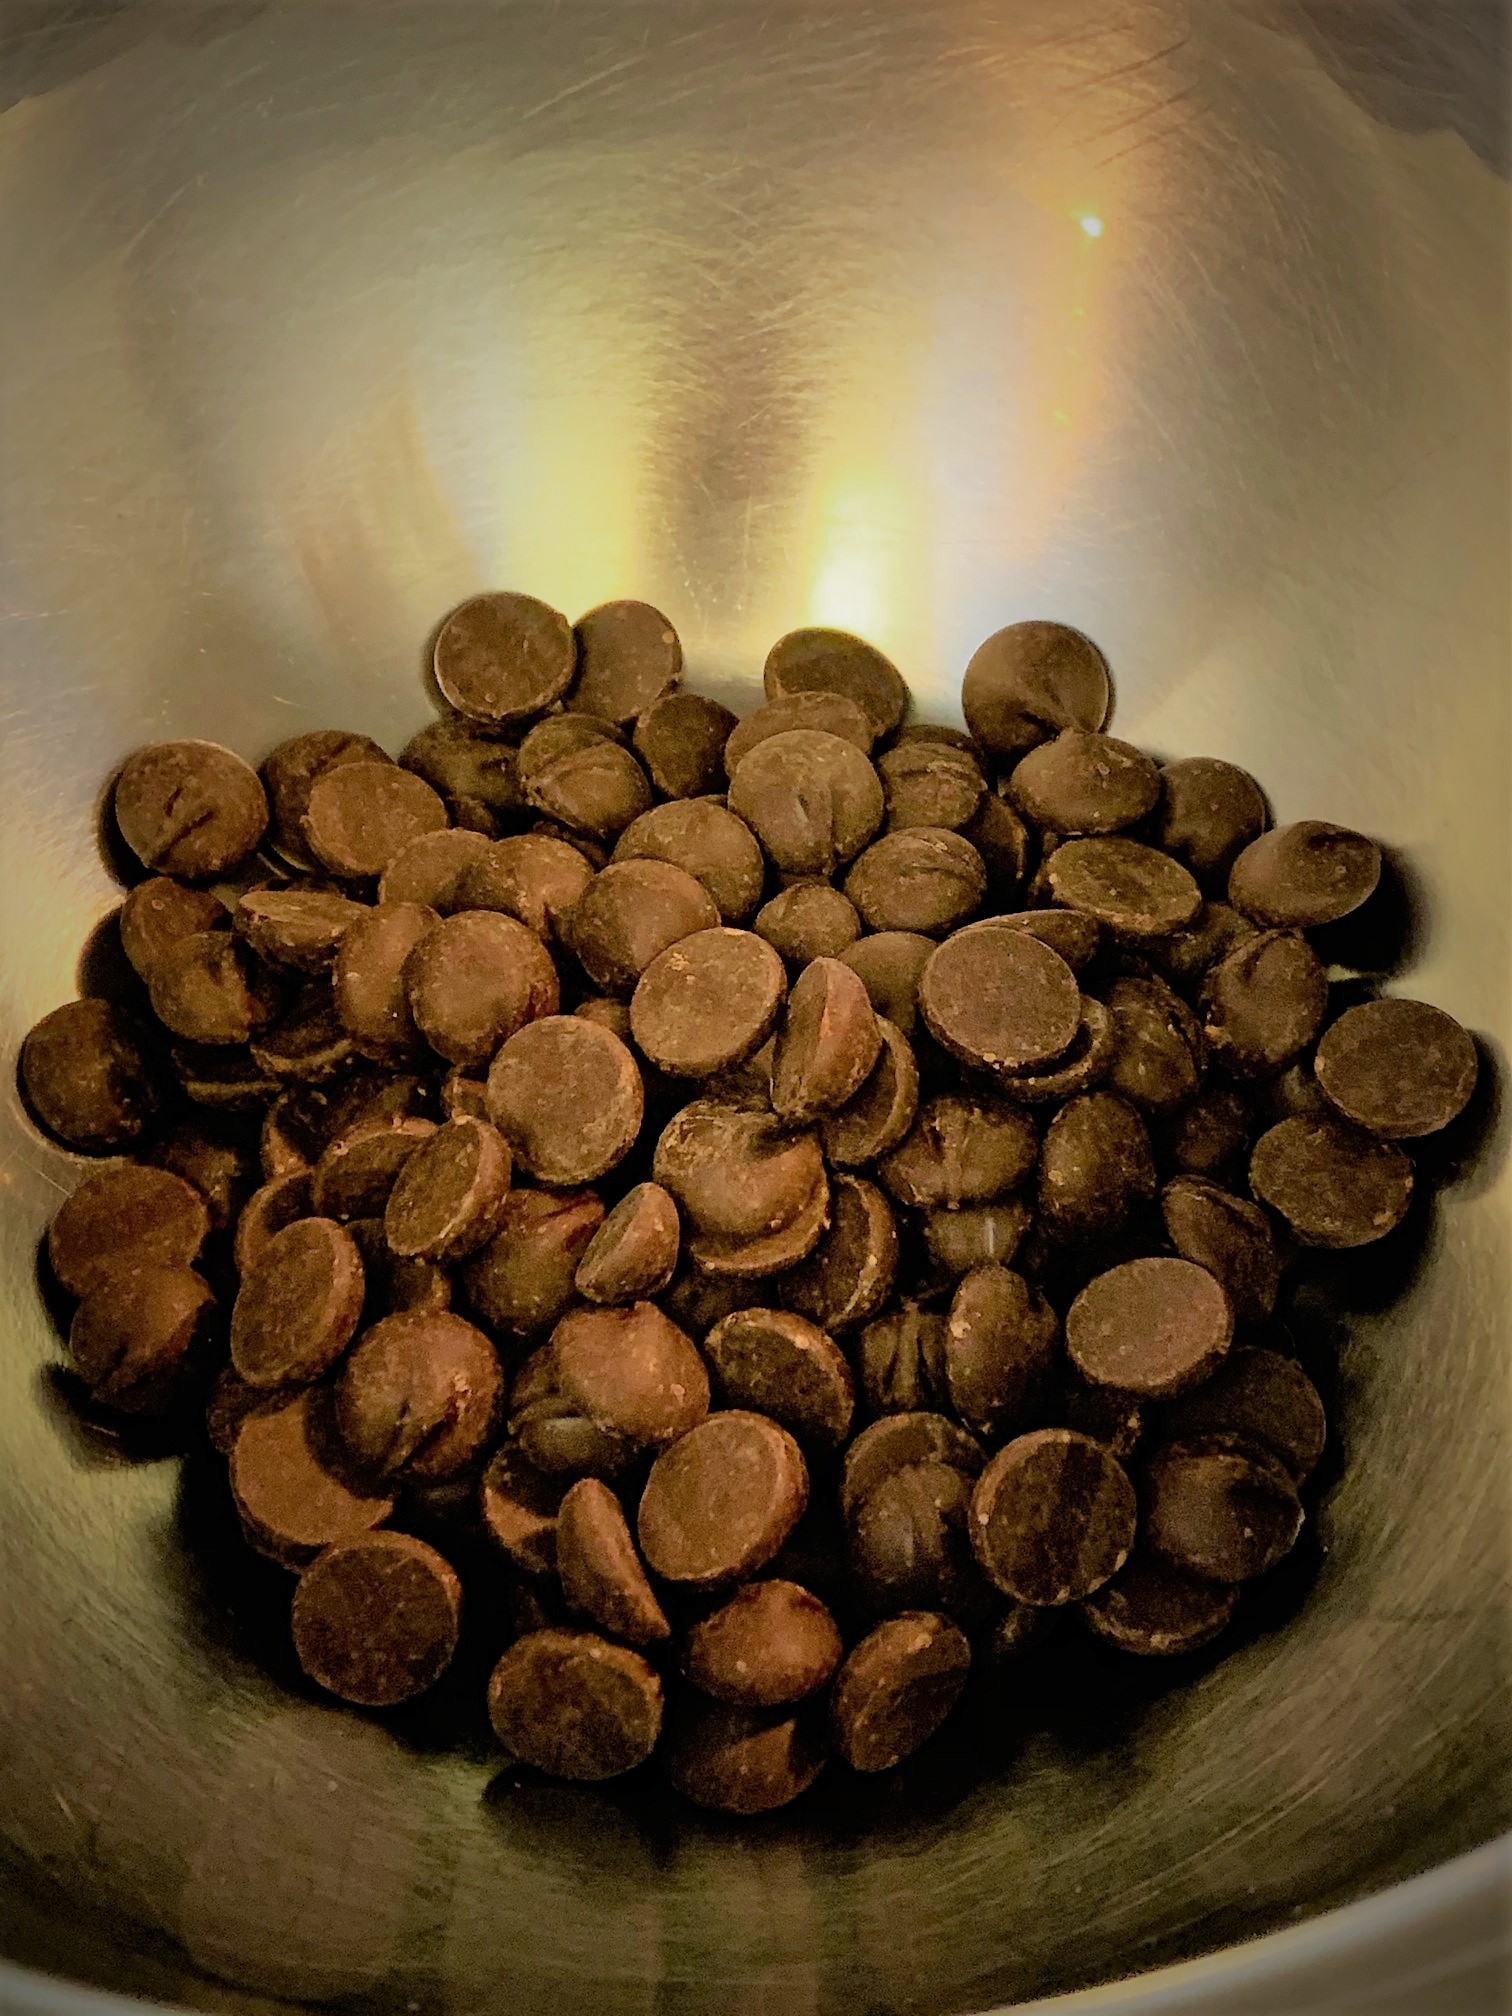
368	980
812	799
211	989
291	1501
832	661
897	1441
298	928
578	771
681	740
634	1252
703	836
375	1620
1157	1051
632	1372
809	920
1000	1000
476	774
1399	1068
190	809
430	869
267	1211
824	713
928	783
519	1505
1154	1609
1305	874
709	1001
135	1337
961	1150
476	978
1218	1512
356	1173
417	1398
503	658
1052	1517
1031	680
529	876
298	1306
1151	1327
157	914
849	1274
910	1545
629	657
1257	1396
828	1042
602	1576
522	1279
1135	890
1096	1167
1209	813
781	1365
922	879
1082	783
1264	1003
719	1504
772	1644
575	1705
566	1095
735	1172
744	1760
1230	1237
979	1235
360	815
630	912
448	1197
877	1118
896	1689
125	1217
999	1348
1334	1184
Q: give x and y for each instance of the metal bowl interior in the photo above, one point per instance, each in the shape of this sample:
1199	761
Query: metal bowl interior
1186	323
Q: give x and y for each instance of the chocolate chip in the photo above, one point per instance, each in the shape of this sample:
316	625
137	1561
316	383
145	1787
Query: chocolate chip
1150	1327
1081	783
1000	1000
266	1213
961	1150
812	799
1209	813
890	965
1135	890
1228	1236
1052	1517
391	1285
681	740
1212	1136
602	1576
289	771
463	1096
417	1398
922	879
575	1705
1304	874
232	1401
1086	1063
1152	1608
356	1173
1157	1046
566	1095
297	928
629	657
809	920
1096	1167
477	775
476	978
1261	1397
978	1235
1004	843
1264	1003
190	809
522	1279
577	771
430	869
1031	680
631	1374
1187	955
1334	1184
897	1688
634	1252
849	1275
630	912
901	1358
159	914
744	1760
360	815
217	1156
1223	1514
298	1305
821	713
1000	1342
832	661
877	1118
86	1077
307	1044
375	1619
292	1503
898	1441
1076	937
211	989
910	1545
772	1644
528	876
448	1197
136	1335
368	980
503	658
519	1506
721	1501
122	1218
708	1001
1400	1069
827	1044
779	1364
740	1178
1117	1419
930	784
224	1076
697	1301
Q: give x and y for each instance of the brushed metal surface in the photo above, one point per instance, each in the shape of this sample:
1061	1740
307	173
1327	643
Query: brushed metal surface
1186	323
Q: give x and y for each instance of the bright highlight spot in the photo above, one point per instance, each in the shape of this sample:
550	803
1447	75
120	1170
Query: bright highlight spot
1093	226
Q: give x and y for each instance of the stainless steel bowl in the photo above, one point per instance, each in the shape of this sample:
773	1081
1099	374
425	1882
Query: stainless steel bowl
1184	322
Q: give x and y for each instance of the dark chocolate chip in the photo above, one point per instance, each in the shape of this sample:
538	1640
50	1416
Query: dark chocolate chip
298	1305
360	815
1222	1513
721	1501
681	740
135	1337
1334	1184
1230	1237
448	1198
575	1705
897	1687
1000	1000
812	799
502	658
417	1398
832	661
602	1575
1052	1517
1400	1069
629	657
776	1363
124	1217
1209	813
922	879
474	979
1096	1167
630	912
1304	874
522	1279
292	1502
1154	1609
772	1644
190	809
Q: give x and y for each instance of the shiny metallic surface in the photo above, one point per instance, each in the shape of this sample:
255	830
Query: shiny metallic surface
1186	323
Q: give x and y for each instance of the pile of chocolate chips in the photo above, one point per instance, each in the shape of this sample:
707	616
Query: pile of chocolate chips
812	1189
